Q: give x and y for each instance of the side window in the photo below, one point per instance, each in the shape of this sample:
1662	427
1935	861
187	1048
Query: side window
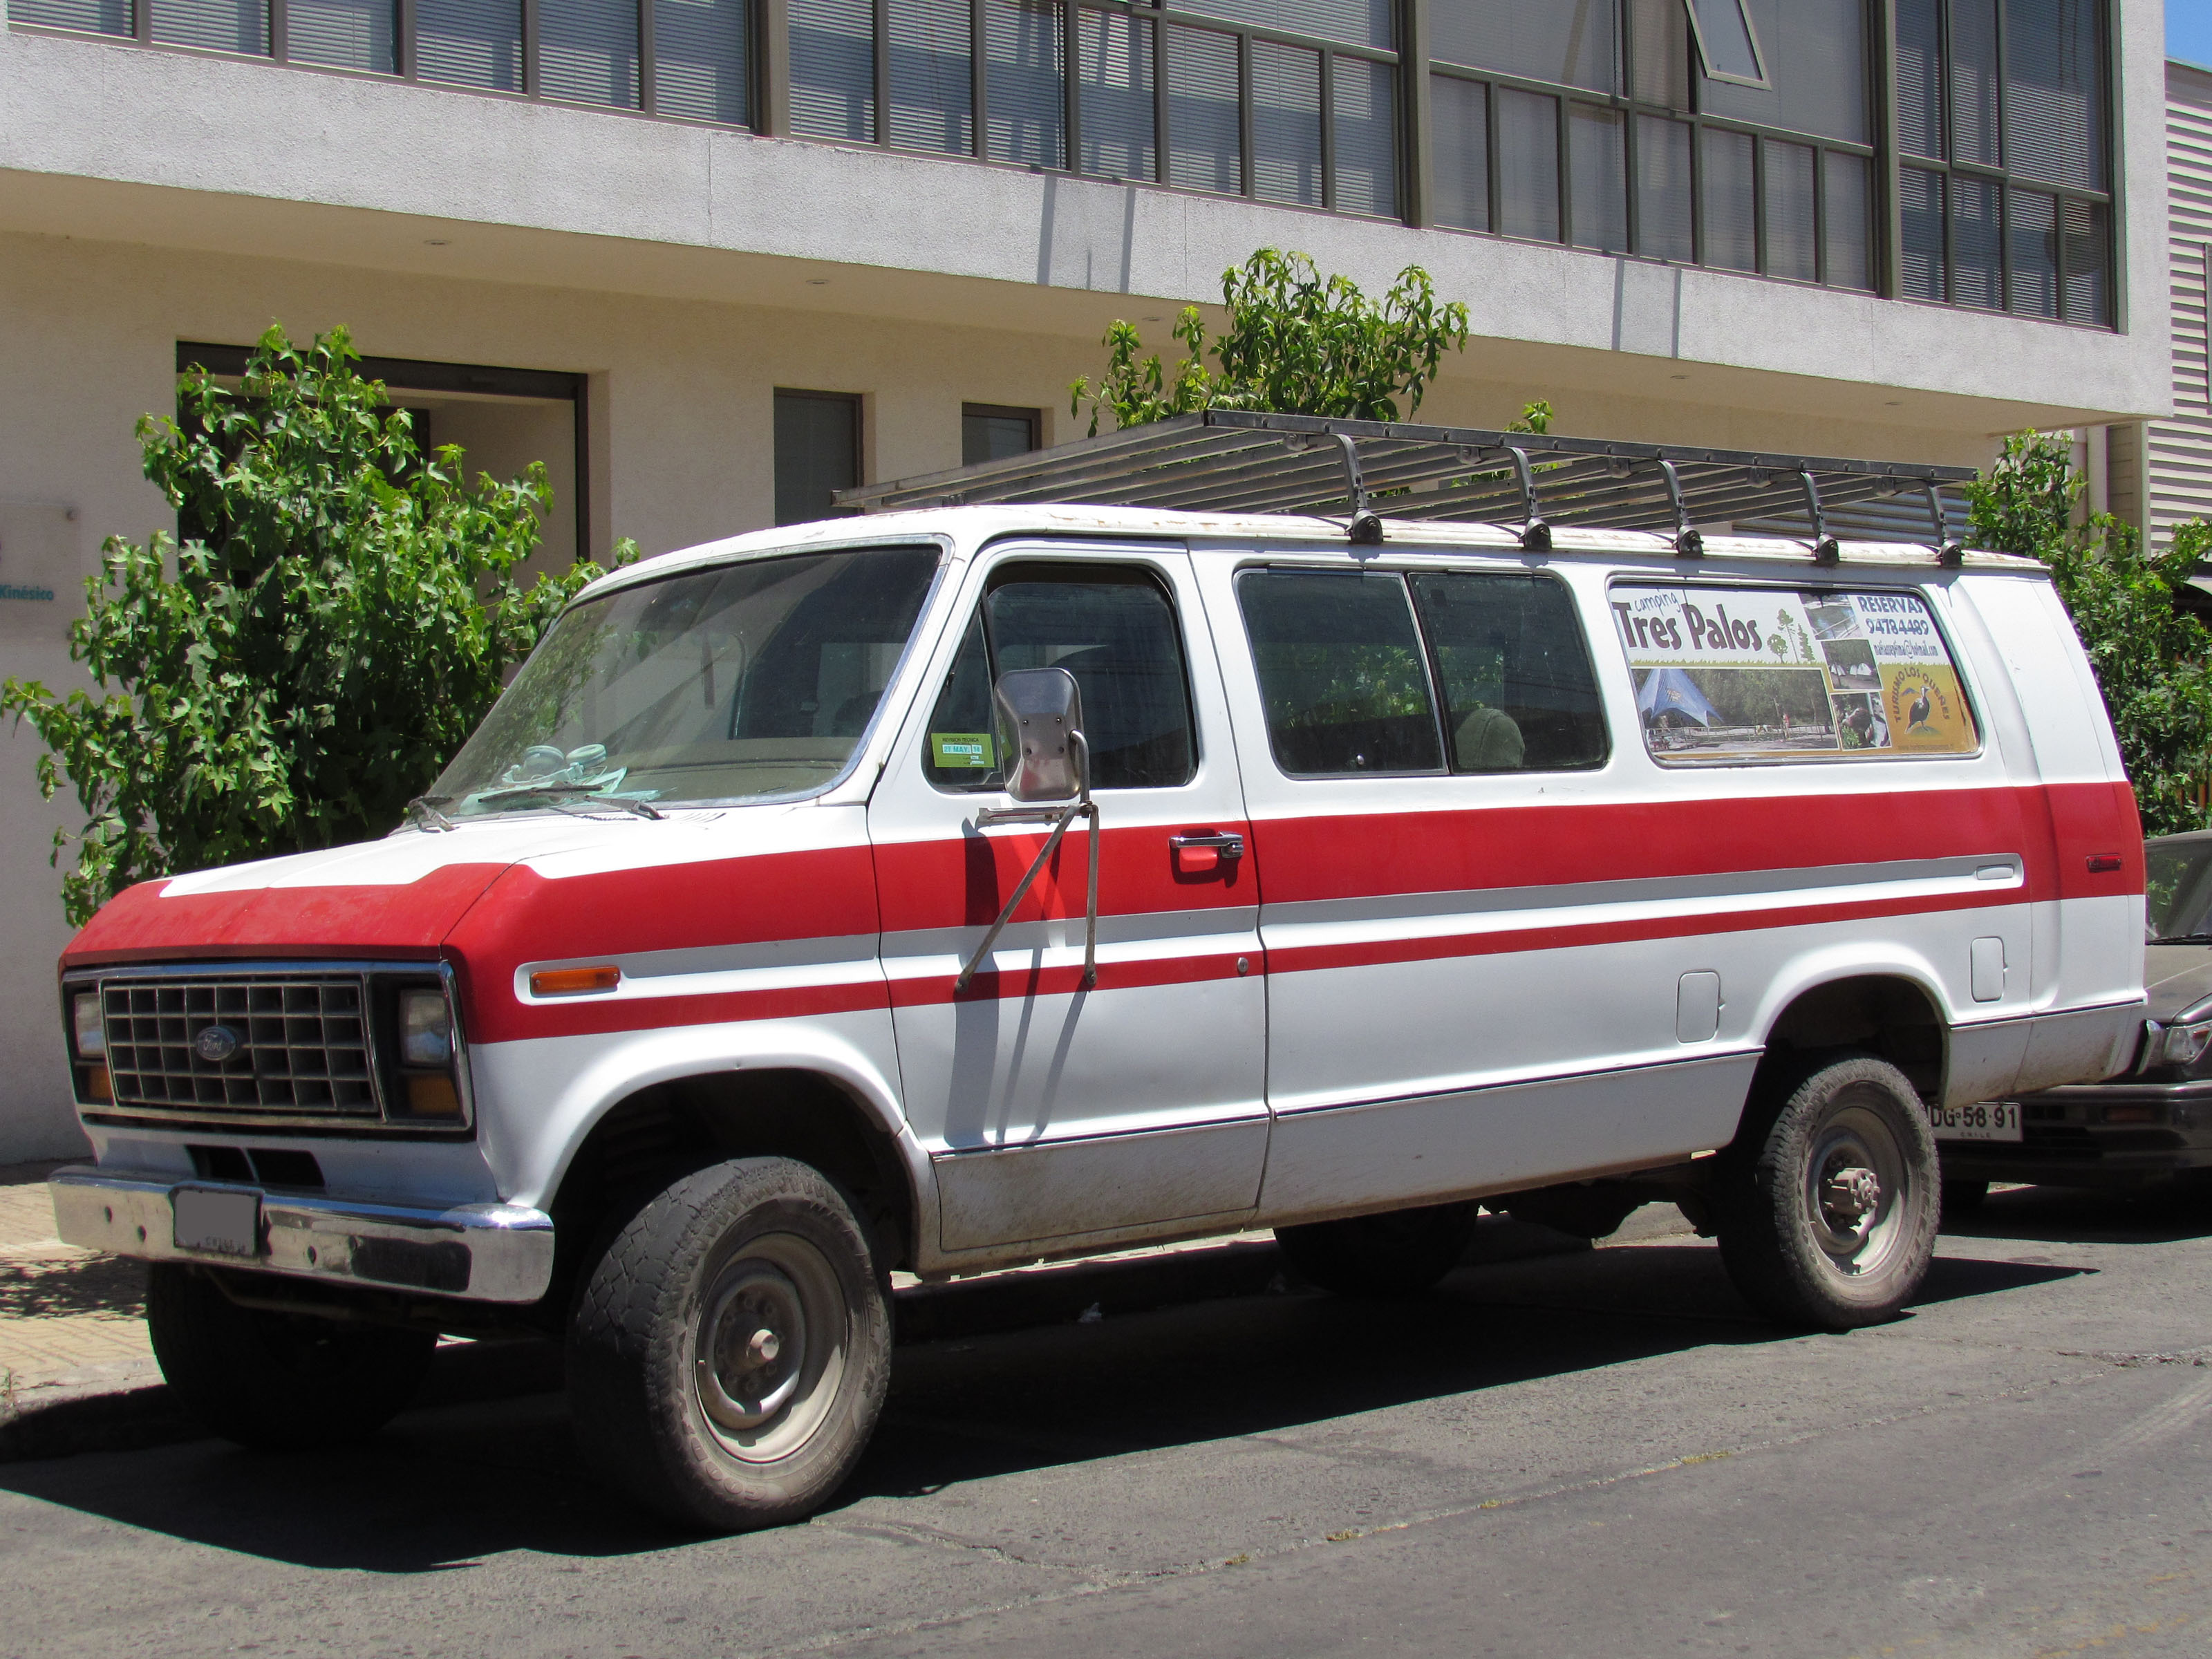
1113	627
1341	670
1761	673
1514	671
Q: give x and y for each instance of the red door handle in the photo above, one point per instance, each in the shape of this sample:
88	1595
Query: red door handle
1202	852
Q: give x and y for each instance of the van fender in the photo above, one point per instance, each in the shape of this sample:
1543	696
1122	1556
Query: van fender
1834	962
539	1100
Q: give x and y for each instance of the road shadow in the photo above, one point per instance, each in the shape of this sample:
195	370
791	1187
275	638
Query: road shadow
2163	1214
449	1483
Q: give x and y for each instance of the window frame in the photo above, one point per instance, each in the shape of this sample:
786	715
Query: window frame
1956	660
852	400
1438	704
1033	417
1026	564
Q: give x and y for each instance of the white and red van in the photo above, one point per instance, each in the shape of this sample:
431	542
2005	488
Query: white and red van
1428	875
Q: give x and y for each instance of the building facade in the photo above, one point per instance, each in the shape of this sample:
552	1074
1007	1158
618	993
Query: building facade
709	259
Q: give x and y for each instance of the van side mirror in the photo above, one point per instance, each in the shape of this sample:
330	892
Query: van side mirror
1043	710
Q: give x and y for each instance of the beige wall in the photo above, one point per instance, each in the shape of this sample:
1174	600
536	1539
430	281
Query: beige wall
681	409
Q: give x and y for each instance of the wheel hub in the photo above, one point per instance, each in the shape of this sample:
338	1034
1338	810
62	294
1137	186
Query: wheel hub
750	1347
1851	1194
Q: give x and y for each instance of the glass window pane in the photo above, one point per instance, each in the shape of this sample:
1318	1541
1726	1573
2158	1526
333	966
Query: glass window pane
2032	241
988	435
1115	64
1285	123
217	25
587	51
1518	692
1974	80
1975	244
1600	192
1920	78
1570	41
1724	43
2086	232
1026	85
1458	151
1662	189
817	450
100	16
931	77
1662	52
1849	226
1528	164
701	59
833	68
1366	96
1920	209
1728	207
1790	209
1354	22
2054	122
470	43
1816	52
355	34
1115	633
1341	673
1205	148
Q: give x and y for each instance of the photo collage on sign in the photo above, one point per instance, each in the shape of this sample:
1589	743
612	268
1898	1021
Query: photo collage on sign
1743	673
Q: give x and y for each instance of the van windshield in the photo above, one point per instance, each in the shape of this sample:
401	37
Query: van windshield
742	681
2179	889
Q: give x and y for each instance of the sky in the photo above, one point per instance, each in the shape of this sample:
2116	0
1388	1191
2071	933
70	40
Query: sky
2189	31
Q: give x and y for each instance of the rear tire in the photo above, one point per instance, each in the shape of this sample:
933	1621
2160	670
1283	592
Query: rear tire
1399	1254
1828	1207
278	1382
730	1350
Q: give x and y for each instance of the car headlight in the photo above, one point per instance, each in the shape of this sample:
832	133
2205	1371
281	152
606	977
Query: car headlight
88	1031
2184	1045
426	1029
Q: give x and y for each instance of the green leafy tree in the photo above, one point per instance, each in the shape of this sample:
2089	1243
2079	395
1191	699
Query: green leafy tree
2153	662
1297	344
339	614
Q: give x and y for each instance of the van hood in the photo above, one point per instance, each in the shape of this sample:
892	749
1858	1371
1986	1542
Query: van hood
396	898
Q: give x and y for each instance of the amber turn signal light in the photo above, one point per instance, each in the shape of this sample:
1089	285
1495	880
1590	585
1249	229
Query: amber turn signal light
573	981
97	1085
432	1095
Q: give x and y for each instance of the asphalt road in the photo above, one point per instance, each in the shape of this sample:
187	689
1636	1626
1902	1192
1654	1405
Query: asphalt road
1592	1454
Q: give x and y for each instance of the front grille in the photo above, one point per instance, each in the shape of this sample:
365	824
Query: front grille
299	1046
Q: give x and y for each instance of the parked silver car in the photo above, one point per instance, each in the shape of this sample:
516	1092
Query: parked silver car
2151	1123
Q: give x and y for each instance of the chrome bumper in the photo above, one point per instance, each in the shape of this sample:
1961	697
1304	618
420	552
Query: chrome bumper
481	1252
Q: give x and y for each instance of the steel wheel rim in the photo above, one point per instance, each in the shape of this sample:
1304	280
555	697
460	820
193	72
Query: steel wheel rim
1855	1147
769	1350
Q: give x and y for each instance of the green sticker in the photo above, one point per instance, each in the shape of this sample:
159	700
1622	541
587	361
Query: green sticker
958	749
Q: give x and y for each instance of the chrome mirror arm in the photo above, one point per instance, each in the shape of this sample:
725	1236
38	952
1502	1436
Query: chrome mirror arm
1081	806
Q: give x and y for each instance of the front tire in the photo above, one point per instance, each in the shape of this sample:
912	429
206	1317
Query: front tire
1827	1219
278	1382
730	1350
1399	1254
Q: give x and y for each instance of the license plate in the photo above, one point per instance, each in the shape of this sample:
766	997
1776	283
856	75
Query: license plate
1988	1120
214	1218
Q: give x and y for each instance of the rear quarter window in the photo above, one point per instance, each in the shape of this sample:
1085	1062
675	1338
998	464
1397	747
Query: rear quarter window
1726	674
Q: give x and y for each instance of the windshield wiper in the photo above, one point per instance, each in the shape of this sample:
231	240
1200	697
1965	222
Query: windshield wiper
424	812
517	791
2182	938
629	804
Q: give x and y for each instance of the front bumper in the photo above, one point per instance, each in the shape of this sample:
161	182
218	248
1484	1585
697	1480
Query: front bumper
478	1252
2096	1135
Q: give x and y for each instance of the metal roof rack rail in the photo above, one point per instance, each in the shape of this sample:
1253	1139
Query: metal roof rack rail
1235	461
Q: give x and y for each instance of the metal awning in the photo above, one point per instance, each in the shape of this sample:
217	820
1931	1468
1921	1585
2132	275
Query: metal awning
1234	461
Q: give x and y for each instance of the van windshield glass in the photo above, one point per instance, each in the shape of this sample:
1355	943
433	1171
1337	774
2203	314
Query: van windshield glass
2179	892
745	680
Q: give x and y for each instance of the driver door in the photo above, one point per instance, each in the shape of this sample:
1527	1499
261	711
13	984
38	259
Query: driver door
1052	1110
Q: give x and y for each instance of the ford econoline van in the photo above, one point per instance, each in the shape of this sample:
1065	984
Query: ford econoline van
945	889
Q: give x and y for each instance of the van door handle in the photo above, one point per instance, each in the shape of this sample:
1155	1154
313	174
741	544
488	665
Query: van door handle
1202	852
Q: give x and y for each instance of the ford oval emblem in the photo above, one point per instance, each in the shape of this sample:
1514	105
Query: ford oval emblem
215	1043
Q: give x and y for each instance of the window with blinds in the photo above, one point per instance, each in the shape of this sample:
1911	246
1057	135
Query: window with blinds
2007	195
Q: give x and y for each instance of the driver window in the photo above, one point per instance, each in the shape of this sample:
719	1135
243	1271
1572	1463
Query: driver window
1113	627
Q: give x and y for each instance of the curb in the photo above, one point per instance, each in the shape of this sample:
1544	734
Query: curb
125	1406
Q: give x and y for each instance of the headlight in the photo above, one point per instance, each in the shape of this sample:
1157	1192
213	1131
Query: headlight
87	1030
426	1029
2184	1045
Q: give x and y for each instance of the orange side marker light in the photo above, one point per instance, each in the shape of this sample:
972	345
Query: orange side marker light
573	981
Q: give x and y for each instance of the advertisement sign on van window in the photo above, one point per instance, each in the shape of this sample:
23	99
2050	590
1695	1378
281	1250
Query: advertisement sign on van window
1725	673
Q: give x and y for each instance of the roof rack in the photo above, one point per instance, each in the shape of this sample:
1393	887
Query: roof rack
1227	461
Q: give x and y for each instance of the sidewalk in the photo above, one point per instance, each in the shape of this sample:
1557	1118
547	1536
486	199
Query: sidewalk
62	1309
